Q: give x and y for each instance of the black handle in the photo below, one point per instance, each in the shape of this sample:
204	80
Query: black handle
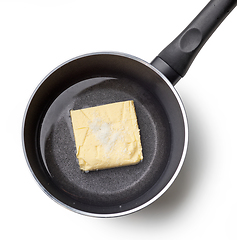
175	60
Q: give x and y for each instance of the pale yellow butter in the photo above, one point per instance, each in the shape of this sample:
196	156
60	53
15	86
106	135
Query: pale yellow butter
107	136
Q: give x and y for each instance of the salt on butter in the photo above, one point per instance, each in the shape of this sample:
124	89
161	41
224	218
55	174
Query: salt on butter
107	136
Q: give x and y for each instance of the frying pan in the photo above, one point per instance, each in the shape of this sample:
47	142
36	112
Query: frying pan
101	78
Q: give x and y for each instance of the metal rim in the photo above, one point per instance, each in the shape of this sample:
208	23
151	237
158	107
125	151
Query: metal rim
181	160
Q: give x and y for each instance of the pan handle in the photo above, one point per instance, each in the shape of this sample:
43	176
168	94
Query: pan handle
175	60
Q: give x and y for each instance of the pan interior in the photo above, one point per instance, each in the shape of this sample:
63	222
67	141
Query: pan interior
109	187
92	80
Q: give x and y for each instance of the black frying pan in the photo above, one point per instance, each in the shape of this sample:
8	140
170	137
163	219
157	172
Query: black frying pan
102	78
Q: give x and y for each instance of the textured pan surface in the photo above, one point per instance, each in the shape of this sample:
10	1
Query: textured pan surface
113	186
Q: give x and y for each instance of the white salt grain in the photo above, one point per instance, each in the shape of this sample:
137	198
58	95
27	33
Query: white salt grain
104	134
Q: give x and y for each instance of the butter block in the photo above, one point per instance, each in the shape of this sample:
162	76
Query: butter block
106	136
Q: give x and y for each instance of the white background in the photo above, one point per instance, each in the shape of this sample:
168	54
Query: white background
37	36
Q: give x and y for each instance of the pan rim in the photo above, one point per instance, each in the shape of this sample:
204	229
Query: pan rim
185	146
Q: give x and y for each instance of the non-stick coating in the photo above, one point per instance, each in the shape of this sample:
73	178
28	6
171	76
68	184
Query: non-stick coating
91	81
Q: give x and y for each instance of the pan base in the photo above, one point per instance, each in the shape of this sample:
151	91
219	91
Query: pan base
111	186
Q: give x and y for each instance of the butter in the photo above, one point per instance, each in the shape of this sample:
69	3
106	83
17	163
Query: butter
107	136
